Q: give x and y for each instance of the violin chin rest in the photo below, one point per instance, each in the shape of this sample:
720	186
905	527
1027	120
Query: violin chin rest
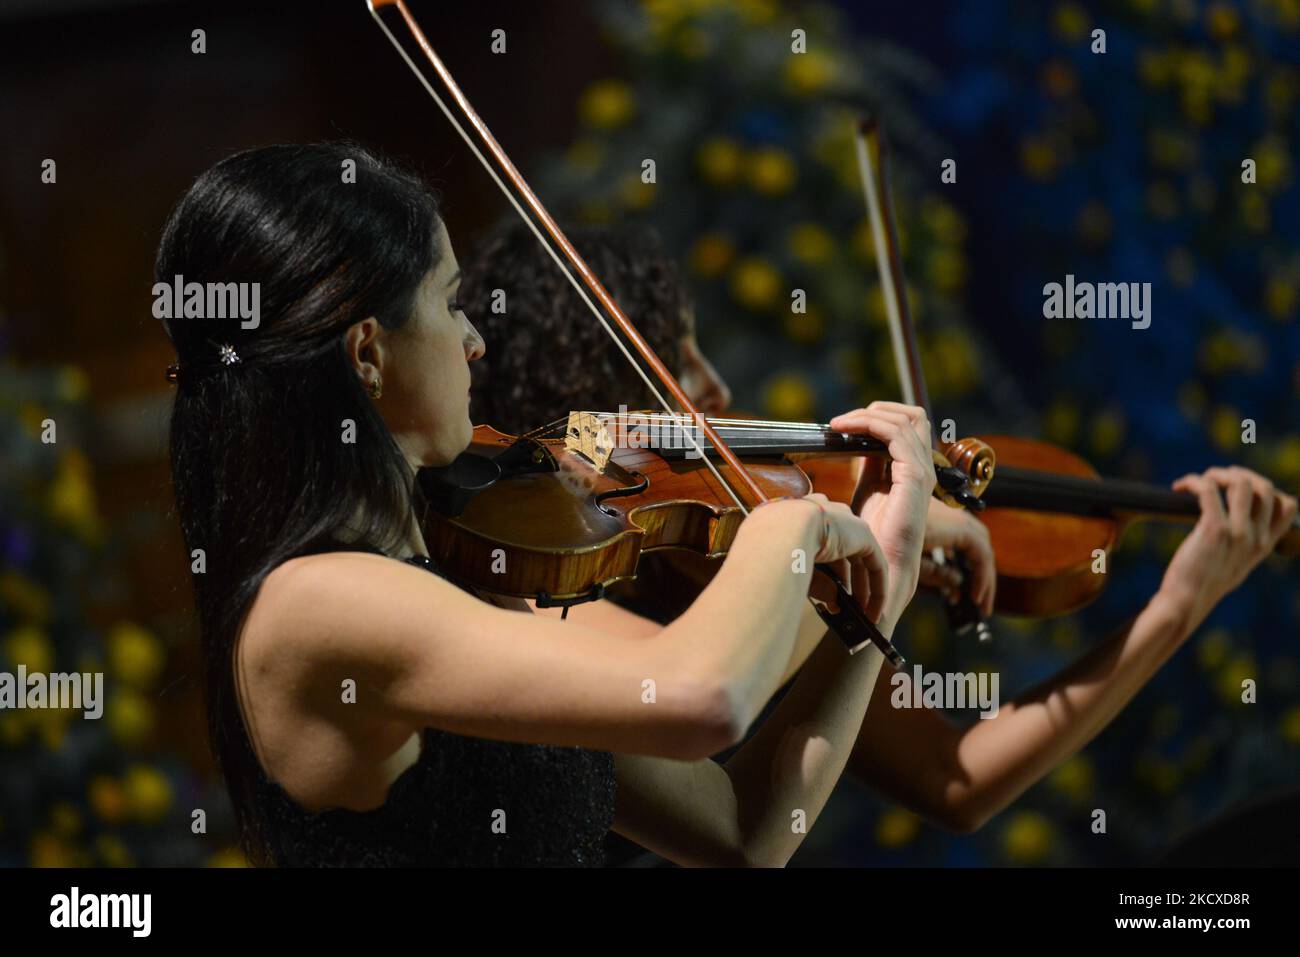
448	488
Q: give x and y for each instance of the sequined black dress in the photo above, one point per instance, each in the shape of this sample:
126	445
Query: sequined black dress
465	802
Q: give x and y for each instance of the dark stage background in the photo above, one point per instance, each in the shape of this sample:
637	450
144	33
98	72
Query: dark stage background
1117	167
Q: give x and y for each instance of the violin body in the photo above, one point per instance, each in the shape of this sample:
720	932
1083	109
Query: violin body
564	534
1045	559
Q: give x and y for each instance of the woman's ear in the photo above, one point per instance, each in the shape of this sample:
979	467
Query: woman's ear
364	348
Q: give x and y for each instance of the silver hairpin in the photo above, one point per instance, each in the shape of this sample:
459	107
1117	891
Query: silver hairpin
227	354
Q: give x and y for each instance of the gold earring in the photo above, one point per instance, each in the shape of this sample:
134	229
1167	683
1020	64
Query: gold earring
376	388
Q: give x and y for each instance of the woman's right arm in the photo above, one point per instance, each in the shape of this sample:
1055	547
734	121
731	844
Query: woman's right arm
421	650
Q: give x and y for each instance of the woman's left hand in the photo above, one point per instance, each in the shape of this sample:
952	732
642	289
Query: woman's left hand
897	512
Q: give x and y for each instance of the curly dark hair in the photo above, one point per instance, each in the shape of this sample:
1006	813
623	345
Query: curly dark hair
546	354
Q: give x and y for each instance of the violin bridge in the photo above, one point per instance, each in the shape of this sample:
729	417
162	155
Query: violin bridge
586	435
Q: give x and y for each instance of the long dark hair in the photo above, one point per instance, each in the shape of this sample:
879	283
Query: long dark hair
260	466
546	355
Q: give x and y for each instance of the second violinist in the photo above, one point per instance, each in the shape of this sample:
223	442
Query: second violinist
956	777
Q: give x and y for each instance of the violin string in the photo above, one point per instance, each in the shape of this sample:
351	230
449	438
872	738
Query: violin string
582	292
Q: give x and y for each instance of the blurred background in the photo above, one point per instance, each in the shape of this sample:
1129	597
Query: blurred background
1122	166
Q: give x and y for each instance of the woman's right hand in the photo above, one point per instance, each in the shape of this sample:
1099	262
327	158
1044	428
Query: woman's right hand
849	547
1226	544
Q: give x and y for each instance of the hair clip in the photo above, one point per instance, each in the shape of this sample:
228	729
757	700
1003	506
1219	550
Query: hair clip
227	354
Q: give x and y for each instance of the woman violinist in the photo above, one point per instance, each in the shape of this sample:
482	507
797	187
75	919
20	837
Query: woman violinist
366	711
956	777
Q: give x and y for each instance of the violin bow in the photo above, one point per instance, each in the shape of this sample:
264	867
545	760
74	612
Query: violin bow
873	152
849	621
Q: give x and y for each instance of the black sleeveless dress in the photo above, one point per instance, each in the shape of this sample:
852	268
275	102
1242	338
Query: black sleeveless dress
466	802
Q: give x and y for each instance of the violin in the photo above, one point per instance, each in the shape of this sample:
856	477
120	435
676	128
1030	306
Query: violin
566	511
573	511
1049	514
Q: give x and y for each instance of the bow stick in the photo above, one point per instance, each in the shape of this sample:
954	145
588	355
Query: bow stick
848	621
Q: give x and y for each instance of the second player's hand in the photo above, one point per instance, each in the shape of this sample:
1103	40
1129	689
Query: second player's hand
957	530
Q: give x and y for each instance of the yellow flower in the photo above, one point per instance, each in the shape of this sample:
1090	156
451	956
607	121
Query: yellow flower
947	269
805	327
711	254
606	104
1286	462
1156	69
148	792
1289	725
1038	158
1221	21
112	851
1094	224
897	827
1229	680
926	632
808	73
1064	634
1212	651
635	193
1070	20
586	154
1061	423
134	655
757	12
71	500
228	857
1027	837
693	43
1255	211
1281	298
1272	164
1107	432
789	398
943	221
52	725
719	161
130	717
1075	778
595	212
73	385
28	645
755	283
31	417
952	355
107	799
46	850
27	599
771	170
810	243
1225	429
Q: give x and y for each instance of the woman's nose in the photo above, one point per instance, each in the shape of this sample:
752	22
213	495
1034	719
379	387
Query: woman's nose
714	397
475	347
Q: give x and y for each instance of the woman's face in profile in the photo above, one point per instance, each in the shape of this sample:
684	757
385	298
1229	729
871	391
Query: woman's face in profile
425	400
